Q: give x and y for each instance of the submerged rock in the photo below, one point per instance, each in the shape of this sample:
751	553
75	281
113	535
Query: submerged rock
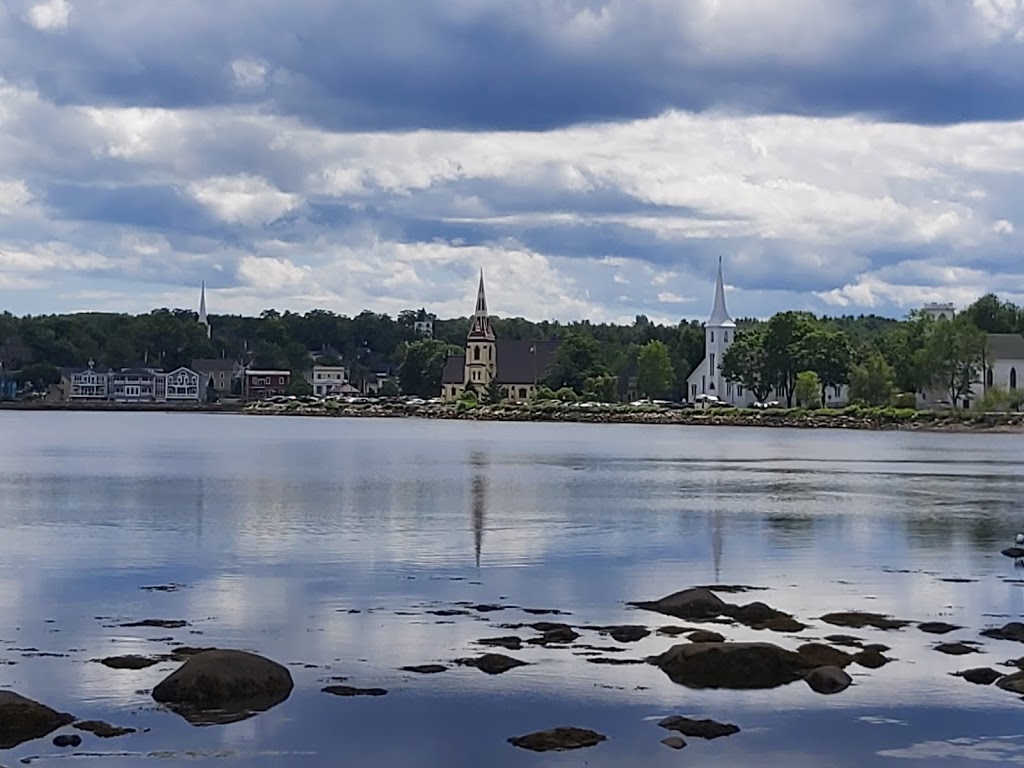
938	627
231	685
22	719
1012	631
348	690
129	662
705	636
558	739
426	669
161	623
673	742
980	675
628	633
704	729
860	619
492	663
101	729
703	604
820	655
67	740
1013	683
847	640
871	658
731	665
553	633
956	649
828	680
511	642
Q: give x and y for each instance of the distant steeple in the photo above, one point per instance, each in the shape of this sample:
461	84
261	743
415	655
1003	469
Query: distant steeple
719	314
480	327
202	309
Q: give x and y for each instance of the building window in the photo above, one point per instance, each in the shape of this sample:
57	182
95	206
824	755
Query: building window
712	337
1013	378
476	353
490	353
703	383
712	363
726	337
693	390
739	390
522	392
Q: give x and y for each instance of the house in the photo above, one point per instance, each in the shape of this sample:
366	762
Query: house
182	385
132	385
423	325
327	379
218	374
86	385
8	385
707	381
259	384
513	367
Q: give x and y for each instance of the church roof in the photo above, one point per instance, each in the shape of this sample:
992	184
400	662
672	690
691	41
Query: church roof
517	364
1005	346
480	324
719	314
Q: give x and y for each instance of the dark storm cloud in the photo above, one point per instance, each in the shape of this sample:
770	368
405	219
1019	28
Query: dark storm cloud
528	64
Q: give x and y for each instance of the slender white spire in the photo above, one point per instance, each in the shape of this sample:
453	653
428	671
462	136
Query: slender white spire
480	327
719	314
202	309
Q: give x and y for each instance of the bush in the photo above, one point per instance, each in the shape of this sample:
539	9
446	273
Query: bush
566	395
904	400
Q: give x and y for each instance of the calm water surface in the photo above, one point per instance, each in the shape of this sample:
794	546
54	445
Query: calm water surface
279	527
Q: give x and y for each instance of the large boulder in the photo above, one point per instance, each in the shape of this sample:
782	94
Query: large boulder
23	719
224	686
828	680
695	603
732	665
558	739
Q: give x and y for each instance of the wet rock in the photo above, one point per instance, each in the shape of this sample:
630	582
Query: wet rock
674	631
449	612
861	619
705	636
510	642
426	669
129	662
828	680
980	675
1013	683
67	740
820	655
161	623
545	612
236	684
1012	631
701	603
937	627
673	742
731	588
876	648
956	649
184	652
348	690
629	633
492	663
780	624
172	587
553	634
731	665
22	719
488	608
871	659
101	729
704	729
558	739
761	616
611	661
847	640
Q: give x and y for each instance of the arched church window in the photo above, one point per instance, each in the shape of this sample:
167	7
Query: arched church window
1013	378
490	353
476	353
712	337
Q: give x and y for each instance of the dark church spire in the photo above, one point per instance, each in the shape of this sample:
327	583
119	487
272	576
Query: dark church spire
480	326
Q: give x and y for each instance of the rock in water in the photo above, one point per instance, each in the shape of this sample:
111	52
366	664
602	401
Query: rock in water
705	636
980	675
673	742
860	619
235	683
731	665
492	663
67	740
704	729
828	680
558	740
23	720
1012	631
937	627
696	603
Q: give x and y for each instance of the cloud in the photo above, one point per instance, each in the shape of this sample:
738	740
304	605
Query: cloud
49	16
599	155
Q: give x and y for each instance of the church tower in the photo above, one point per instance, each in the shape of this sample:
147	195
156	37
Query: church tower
719	333
203	320
481	362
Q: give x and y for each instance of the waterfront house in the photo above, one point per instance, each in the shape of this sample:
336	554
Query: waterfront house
133	385
218	374
85	385
514	367
327	379
182	385
261	384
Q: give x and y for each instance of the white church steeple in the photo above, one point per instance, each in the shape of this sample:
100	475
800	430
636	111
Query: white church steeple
719	314
203	320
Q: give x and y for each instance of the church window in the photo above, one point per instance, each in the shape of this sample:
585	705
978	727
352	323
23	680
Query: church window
712	337
490	353
693	390
703	383
739	390
725	338
476	353
988	377
712	363
522	392
1013	378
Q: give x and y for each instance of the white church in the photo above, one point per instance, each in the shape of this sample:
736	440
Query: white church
707	380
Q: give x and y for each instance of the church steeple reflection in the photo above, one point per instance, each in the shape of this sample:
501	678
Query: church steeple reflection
716	543
478	500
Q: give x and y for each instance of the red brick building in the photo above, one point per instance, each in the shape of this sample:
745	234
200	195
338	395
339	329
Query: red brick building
263	384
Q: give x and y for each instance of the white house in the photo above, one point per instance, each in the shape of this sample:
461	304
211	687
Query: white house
180	385
719	334
327	380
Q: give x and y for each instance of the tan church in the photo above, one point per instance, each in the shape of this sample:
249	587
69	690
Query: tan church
513	366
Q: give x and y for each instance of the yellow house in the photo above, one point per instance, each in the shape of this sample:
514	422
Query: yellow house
513	366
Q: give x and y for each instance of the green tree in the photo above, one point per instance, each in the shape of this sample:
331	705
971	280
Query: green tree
39	375
654	369
744	363
422	365
829	355
602	388
578	359
299	386
807	389
783	335
871	382
952	356
991	315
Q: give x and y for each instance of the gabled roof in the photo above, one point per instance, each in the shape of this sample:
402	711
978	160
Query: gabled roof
454	371
1005	346
518	363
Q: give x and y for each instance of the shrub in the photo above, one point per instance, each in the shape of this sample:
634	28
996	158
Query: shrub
904	400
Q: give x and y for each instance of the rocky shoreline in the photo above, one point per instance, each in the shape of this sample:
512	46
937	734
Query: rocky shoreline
850	418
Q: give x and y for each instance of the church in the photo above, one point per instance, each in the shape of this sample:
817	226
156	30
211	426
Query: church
513	366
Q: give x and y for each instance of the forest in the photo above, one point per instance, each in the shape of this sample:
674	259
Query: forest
878	356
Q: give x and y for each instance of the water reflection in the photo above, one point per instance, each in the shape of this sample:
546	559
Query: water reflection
281	528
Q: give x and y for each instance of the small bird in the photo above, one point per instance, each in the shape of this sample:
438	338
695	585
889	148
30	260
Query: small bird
1020	539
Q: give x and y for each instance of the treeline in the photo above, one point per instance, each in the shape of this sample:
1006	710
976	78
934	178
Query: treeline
595	358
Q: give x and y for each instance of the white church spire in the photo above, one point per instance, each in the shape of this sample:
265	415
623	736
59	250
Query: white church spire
202	309
719	314
480	326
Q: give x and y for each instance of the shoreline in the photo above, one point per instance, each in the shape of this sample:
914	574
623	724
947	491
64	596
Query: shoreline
867	419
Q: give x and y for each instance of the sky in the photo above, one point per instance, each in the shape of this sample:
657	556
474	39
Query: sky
594	157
